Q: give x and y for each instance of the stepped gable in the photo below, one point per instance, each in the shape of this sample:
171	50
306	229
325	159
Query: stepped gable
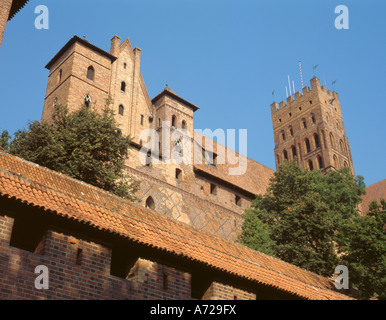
61	195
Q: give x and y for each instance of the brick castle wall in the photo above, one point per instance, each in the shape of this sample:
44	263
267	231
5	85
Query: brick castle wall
5	7
81	269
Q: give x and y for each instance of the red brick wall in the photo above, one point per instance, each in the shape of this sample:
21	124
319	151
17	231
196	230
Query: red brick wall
5	7
88	277
219	291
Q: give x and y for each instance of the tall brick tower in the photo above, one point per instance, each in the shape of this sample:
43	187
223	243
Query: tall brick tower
310	128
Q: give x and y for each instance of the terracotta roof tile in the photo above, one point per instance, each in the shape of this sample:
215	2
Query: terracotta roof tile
72	199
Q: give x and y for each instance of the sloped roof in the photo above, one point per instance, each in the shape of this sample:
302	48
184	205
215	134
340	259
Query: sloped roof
17	5
375	192
169	92
58	194
256	178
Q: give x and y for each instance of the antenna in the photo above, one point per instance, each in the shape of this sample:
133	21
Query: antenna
273	95
293	85
314	68
286	91
301	74
289	85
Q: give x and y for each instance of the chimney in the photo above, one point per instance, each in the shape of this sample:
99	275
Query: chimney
115	44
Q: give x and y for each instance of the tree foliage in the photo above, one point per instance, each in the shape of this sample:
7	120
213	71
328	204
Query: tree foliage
5	139
84	145
366	252
304	212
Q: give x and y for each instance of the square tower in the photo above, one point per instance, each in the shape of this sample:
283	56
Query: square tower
310	127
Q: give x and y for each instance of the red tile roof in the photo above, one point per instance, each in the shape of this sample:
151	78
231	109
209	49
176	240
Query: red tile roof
72	199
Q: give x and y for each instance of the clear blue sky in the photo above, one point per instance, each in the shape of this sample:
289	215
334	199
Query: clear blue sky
224	56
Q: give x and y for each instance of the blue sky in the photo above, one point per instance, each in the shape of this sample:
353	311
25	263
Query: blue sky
224	56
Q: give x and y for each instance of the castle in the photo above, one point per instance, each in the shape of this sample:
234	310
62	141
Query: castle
179	242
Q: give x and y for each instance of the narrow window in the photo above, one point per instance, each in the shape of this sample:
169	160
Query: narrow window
293	148
304	123
213	189
332	140
150	119
285	155
277	159
335	162
320	162
341	146
174	121
123	86
165	282
183	124
79	256
282	136
90	73
313	118
150	203
291	131
310	165
308	147
316	139
121	110
238	200
178	174
60	75
124	65
148	159
142	119
159	122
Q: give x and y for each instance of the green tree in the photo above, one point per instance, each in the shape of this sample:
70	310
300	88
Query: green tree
366	252
304	211
4	140
84	144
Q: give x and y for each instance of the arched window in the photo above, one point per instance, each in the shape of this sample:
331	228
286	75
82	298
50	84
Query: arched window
313	120
310	165
277	159
123	86
60	75
121	109
150	203
124	65
335	162
238	200
159	122
332	140
285	155
90	73
317	141
282	134
304	122
178	174
293	148
142	117
341	146
174	120
337	124
308	146
183	124
291	131
320	162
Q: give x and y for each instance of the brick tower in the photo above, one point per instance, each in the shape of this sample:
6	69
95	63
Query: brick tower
310	128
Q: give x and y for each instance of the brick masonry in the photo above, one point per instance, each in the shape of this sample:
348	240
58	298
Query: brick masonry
117	75
80	269
5	8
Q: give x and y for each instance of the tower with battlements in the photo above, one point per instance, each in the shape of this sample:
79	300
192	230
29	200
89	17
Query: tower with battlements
309	127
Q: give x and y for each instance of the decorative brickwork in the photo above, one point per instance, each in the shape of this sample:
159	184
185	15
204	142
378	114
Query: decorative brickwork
310	127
